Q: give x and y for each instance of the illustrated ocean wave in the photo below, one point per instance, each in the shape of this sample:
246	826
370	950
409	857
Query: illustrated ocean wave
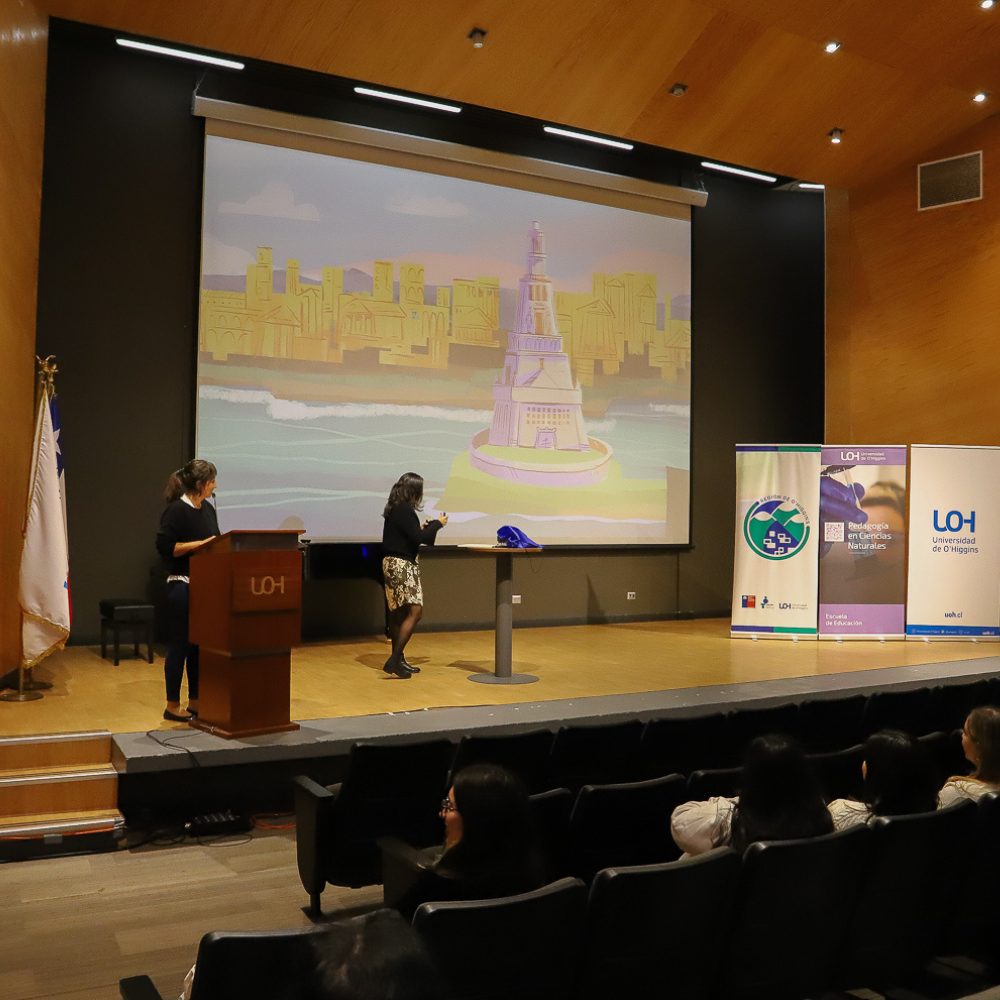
288	409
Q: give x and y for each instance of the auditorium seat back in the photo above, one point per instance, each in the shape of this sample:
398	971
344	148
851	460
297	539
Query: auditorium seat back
525	946
974	928
839	772
828	724
673	745
723	781
745	724
550	813
908	710
794	902
526	754
657	930
595	755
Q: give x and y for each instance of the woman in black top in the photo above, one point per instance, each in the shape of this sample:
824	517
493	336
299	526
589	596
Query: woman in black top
402	536
187	523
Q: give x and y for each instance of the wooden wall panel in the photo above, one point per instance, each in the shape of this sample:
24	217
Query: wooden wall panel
23	31
913	316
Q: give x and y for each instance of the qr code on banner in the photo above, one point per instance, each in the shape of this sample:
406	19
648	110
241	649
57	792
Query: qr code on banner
833	531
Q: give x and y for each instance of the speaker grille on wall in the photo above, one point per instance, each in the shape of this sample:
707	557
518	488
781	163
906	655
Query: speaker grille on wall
948	182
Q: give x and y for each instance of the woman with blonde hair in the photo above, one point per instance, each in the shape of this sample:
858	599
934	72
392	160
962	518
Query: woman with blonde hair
981	746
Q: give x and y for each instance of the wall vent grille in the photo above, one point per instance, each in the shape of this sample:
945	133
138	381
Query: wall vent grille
950	182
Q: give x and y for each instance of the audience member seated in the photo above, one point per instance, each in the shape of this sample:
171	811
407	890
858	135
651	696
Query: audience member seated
378	956
981	746
898	780
490	849
780	799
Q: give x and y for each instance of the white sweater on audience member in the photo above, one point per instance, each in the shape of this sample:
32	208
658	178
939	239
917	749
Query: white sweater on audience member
956	789
697	827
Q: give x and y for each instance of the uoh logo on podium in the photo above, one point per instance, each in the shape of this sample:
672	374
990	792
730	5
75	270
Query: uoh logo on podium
776	527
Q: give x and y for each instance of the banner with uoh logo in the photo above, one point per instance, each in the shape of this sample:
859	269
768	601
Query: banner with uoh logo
862	544
775	568
953	589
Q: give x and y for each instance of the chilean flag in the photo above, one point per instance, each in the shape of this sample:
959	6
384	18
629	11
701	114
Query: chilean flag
44	584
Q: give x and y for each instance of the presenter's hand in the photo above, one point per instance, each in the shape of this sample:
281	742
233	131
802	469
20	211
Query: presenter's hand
443	518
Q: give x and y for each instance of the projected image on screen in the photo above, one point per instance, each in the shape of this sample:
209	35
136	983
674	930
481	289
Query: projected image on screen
529	355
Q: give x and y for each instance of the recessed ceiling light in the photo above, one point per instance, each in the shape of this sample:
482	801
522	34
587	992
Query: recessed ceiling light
739	171
831	47
163	50
600	140
478	38
836	135
806	186
982	97
679	89
405	99
987	4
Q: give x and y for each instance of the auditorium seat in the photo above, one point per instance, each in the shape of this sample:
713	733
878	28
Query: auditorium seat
828	724
951	703
906	710
625	824
724	781
389	790
234	965
526	947
595	755
526	754
794	901
657	930
679	745
839	772
550	812
917	865
748	723
946	754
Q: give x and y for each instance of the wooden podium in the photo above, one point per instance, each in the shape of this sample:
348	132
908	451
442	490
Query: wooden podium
245	615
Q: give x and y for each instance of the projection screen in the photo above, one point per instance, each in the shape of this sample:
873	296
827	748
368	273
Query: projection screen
520	339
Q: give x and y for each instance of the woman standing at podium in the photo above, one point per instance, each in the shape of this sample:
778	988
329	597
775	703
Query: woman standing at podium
402	536
187	523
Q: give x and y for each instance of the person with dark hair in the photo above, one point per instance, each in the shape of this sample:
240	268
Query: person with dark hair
377	956
898	780
780	799
402	536
187	523
981	746
490	847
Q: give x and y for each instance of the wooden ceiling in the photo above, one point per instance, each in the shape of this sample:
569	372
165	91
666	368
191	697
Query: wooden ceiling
762	92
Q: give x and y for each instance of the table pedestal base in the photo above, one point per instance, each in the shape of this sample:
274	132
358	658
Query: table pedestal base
509	679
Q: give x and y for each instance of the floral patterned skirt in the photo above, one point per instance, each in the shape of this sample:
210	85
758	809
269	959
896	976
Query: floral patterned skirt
402	582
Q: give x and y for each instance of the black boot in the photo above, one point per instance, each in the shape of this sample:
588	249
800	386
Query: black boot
394	665
409	666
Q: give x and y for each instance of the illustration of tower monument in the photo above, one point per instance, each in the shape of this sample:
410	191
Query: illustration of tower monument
537	421
536	401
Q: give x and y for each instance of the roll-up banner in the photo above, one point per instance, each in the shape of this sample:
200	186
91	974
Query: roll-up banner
953	589
862	545
775	567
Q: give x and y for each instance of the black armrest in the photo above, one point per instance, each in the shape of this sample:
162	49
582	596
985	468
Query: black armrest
314	807
138	988
409	877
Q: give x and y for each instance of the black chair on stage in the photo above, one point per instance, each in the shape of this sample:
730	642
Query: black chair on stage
748	723
912	884
839	772
234	965
389	791
130	615
829	724
681	745
595	755
905	710
659	929
725	781
626	824
525	946
793	904
526	754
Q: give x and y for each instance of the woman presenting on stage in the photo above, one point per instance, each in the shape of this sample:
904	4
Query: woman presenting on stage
187	523
402	536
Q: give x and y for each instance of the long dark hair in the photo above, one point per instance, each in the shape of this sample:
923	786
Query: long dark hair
408	489
983	728
499	842
899	775
780	797
189	479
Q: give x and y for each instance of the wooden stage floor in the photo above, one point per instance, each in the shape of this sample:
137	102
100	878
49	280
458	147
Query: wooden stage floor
345	678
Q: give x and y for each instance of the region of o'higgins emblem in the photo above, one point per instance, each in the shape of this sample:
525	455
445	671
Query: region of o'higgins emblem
776	527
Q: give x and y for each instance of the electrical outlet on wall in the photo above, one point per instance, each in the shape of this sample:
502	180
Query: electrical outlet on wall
515	599
630	596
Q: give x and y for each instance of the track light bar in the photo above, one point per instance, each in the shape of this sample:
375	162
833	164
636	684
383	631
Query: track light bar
739	171
421	102
807	186
163	50
600	140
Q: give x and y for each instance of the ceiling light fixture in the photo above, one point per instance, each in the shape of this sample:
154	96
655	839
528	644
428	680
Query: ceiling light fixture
679	89
478	38
600	140
987	4
385	95
831	47
982	97
808	186
836	135
739	171
163	50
